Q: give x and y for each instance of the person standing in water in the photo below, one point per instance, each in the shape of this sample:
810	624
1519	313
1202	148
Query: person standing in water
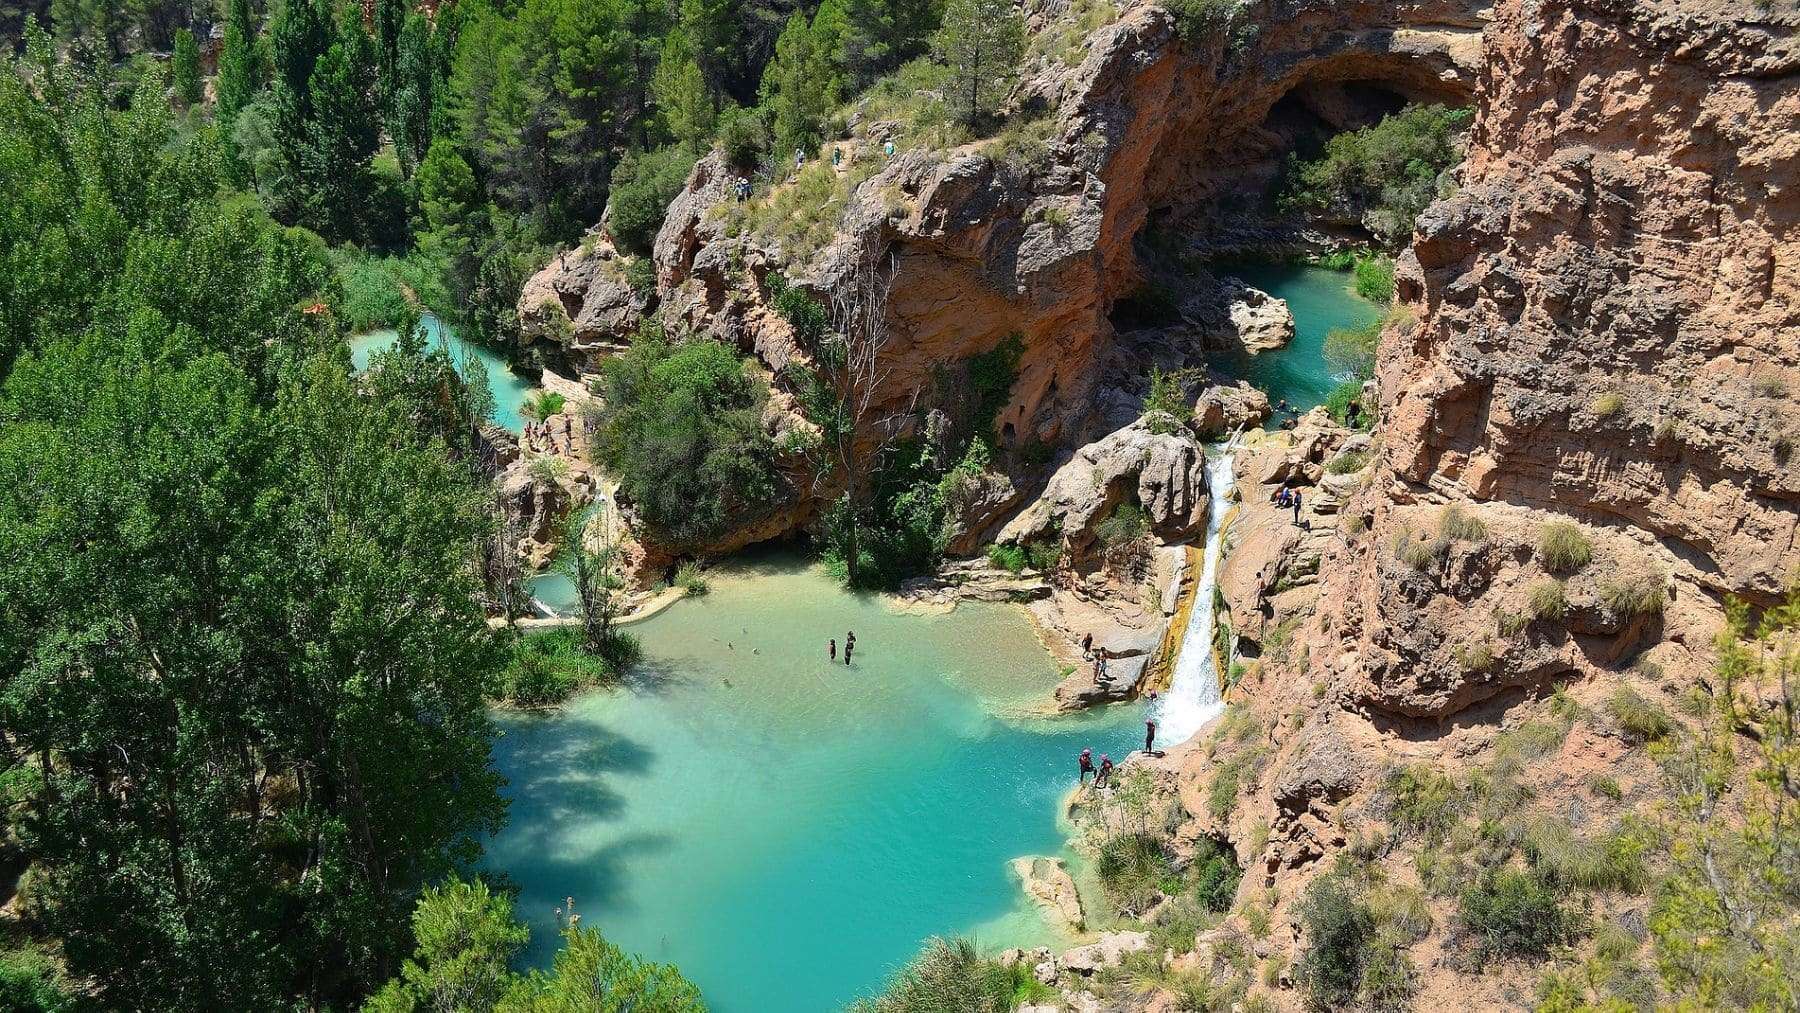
833	649
1087	765
849	645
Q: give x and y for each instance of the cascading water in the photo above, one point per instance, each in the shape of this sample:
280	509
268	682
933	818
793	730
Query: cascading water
1193	697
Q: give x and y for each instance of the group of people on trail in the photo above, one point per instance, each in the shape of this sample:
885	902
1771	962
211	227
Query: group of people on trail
1285	497
849	647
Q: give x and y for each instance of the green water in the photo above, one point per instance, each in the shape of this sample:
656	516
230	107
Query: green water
510	389
1322	301
787	830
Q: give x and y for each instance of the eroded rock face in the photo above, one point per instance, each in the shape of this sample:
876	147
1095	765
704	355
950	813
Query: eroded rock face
1222	410
583	302
1049	885
1610	303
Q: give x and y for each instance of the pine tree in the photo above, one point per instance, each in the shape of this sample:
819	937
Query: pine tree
240	78
681	95
883	34
798	88
711	27
185	69
983	42
411	104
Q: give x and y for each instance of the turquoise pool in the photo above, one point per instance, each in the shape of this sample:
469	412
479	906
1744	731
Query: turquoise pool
510	389
789	830
1321	300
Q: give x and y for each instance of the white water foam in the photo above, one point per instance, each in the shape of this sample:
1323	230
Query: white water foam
1193	697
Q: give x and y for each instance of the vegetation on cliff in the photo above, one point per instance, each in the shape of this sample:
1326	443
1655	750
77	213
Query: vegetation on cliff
1380	176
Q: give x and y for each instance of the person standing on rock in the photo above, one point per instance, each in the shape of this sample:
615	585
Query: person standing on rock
1087	765
1087	645
1106	768
1150	735
1296	502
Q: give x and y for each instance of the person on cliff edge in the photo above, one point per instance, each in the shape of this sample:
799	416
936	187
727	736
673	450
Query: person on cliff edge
1086	764
1106	769
1296	502
1150	736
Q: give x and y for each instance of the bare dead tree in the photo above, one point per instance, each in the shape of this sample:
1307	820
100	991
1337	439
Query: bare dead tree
846	393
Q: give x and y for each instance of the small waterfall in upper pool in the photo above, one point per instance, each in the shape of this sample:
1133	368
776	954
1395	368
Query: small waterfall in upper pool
1193	697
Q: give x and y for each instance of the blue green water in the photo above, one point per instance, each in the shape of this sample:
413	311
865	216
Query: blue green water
789	830
1322	301
510	389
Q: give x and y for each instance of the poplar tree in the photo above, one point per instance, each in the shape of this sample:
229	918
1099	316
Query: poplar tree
185	69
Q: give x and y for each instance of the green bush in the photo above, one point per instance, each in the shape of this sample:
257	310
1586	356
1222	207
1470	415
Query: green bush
1011	558
805	314
546	404
30	983
1548	600
1634	595
1383	174
643	184
1127	523
1375	278
1352	349
547	668
1133	869
1348	463
640	274
1340	929
948	975
991	377
1214	875
1562	548
1338	403
691	580
1513	913
743	136
1457	524
374	295
1609	861
681	427
1639	718
1045	554
1421	803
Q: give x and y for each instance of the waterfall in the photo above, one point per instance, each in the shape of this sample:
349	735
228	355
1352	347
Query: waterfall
1193	697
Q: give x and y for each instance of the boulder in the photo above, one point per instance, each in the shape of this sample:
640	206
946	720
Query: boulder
582	301
1048	883
1108	951
972	505
1222	410
1164	473
1085	687
1259	321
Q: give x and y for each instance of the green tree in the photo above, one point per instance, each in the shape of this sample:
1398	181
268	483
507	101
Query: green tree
241	76
467	935
686	104
880	35
799	88
185	72
712	31
1383	175
413	92
242	649
983	42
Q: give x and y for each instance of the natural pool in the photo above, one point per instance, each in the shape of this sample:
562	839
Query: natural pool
1322	300
510	389
787	830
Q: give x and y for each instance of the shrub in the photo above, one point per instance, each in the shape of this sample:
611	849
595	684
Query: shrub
1133	869
1562	548
1339	931
546	404
1165	408
1348	463
947	975
1639	718
1214	875
30	983
1606	787
374	295
1375	278
1457	524
691	580
1383	174
805	314
643	184
1636	595
640	274
1421	803
1607	405
1178	922
1548	600
743	136
1011	558
1509	623
1352	349
1127	523
1513	913
1199	19
1416	551
1044	555
1532	740
1338	404
1476	658
991	377
1609	861
681	427
547	668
